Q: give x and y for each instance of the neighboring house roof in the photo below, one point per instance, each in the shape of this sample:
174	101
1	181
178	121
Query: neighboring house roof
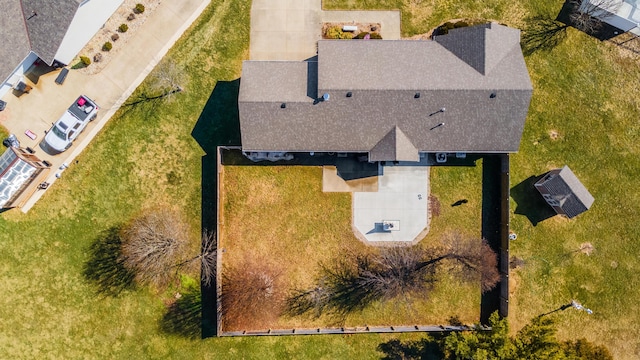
15	42
47	29
32	25
387	98
567	190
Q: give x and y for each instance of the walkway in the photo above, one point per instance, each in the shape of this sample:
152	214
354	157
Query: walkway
37	110
290	29
401	201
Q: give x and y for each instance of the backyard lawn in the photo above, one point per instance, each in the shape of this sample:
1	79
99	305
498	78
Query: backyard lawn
278	218
584	113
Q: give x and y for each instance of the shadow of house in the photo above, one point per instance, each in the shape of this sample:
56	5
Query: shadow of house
105	267
217	125
529	201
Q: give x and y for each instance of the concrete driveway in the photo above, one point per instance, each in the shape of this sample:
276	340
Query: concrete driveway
109	88
401	204
290	29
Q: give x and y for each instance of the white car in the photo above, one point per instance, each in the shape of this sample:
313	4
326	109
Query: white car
71	124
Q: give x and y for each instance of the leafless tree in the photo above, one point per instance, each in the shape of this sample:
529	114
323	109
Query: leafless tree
471	260
251	296
155	247
162	84
152	244
357	281
587	15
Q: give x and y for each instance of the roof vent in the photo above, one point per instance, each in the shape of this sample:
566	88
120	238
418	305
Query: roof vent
283	106
416	96
325	97
493	95
349	94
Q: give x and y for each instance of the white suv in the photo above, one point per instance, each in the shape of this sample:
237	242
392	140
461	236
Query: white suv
71	124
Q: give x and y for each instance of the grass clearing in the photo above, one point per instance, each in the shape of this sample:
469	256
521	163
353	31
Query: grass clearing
584	89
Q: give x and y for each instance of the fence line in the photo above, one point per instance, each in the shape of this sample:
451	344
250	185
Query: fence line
352	330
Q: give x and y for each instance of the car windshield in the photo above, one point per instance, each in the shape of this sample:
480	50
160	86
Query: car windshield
59	133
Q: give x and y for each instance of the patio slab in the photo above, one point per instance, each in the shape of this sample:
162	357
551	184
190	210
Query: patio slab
402	200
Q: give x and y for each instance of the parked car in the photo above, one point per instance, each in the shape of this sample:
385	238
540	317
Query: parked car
71	124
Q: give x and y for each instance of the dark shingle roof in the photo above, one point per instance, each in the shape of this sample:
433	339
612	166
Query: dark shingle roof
47	29
15	43
483	113
574	198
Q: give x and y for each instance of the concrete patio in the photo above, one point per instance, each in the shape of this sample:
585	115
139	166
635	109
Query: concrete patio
398	211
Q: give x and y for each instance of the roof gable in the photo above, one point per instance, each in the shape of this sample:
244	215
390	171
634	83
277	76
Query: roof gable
47	23
395	146
482	47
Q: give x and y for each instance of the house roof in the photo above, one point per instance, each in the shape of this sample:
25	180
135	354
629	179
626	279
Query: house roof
573	196
15	42
33	25
46	30
387	98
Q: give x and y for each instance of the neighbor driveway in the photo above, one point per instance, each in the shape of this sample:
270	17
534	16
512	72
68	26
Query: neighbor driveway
110	87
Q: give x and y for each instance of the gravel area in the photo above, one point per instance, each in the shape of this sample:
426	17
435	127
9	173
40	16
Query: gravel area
93	49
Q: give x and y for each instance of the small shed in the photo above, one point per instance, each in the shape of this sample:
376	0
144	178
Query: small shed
563	191
20	170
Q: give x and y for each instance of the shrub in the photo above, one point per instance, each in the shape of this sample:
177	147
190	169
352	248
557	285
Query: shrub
372	35
139	9
375	36
85	60
460	24
123	28
361	35
115	37
335	32
107	46
131	16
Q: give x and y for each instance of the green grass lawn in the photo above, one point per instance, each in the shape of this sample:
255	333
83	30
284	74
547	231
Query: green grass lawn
585	90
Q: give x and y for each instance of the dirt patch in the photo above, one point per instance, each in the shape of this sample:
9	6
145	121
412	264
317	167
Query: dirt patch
362	27
586	248
110	28
554	135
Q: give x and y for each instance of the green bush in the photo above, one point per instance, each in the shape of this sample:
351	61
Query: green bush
85	60
460	24
107	46
335	32
373	35
123	28
139	8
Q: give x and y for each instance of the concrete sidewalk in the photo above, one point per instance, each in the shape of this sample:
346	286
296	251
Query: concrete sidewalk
290	29
110	88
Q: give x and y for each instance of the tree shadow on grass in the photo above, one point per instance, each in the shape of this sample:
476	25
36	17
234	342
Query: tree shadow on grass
184	317
529	201
542	34
105	267
423	349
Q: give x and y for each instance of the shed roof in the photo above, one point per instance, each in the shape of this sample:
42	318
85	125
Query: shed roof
573	196
386	97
